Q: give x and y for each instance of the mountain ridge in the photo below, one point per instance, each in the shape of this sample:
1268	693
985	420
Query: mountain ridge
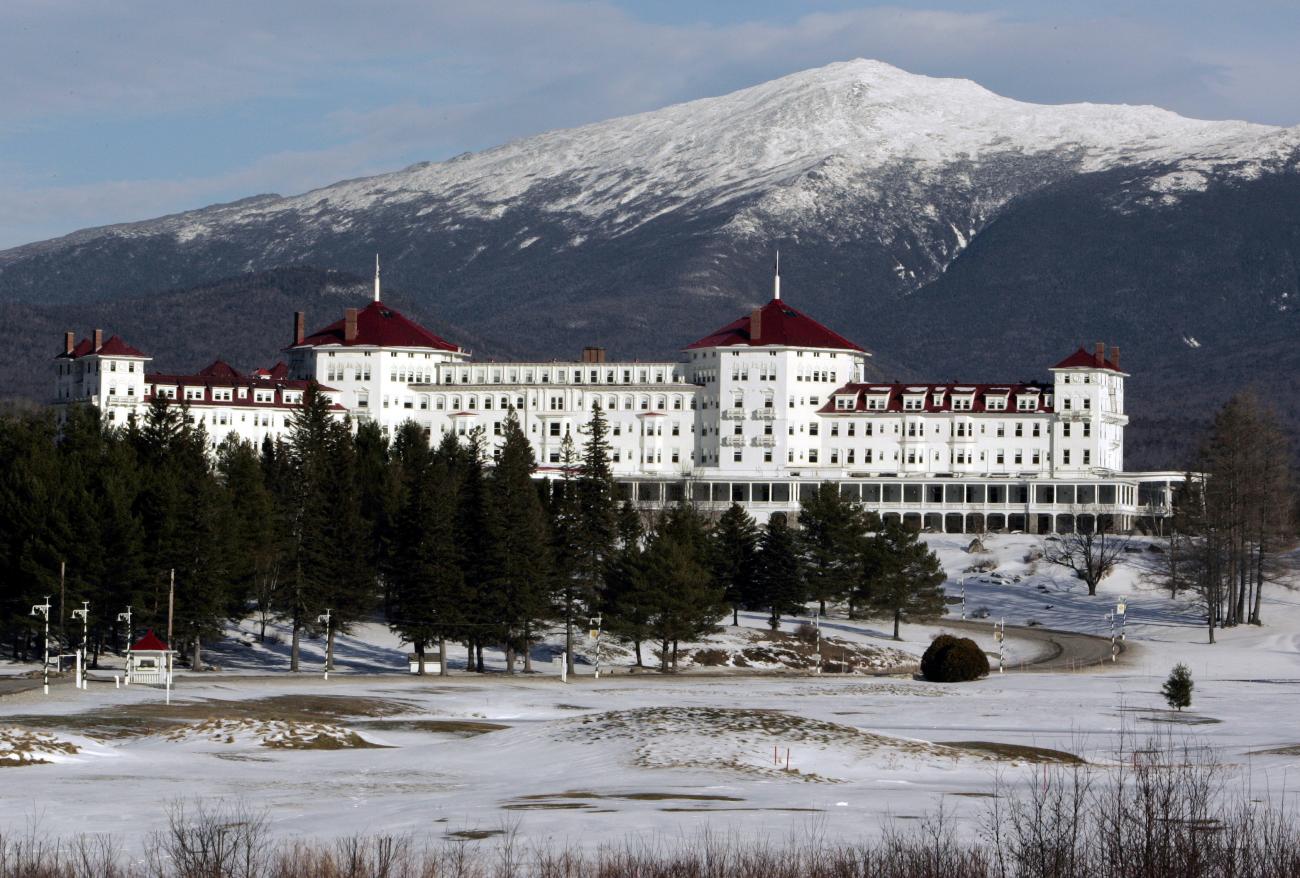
888	194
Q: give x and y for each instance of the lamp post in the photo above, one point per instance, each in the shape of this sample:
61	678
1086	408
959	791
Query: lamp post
817	627
84	614
126	617
329	646
44	610
595	623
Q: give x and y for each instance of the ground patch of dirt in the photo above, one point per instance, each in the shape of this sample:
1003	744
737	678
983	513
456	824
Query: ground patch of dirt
140	720
23	747
780	650
1016	752
276	734
465	728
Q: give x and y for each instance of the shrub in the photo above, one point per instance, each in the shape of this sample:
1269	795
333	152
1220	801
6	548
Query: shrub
953	660
1178	688
807	632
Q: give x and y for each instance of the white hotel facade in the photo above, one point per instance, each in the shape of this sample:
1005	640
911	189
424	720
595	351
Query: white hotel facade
759	412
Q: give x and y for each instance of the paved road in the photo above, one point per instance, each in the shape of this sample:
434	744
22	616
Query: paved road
1065	650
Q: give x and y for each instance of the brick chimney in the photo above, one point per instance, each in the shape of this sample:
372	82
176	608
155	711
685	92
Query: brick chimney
1114	356
755	324
299	327
69	341
350	325
593	355
99	339
1099	354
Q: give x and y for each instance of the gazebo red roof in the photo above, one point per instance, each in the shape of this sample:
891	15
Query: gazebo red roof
149	643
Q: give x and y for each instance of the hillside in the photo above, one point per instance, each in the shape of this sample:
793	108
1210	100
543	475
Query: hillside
953	232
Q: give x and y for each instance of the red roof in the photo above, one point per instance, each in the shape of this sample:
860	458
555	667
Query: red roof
978	394
149	643
1084	359
220	374
779	324
378	325
114	347
278	371
219	369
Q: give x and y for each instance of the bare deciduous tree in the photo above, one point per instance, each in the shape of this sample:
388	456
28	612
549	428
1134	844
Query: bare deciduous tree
1092	555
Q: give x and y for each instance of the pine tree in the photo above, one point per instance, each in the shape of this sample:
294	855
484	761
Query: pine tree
735	557
1178	688
908	581
426	595
685	601
310	508
779	580
521	586
831	531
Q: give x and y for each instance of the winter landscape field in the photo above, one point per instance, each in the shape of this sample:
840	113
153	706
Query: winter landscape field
760	752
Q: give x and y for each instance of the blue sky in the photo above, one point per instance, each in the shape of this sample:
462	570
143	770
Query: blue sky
113	111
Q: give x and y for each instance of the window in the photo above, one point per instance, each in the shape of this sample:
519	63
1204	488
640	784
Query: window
1020	428
1065	457
554	428
812	456
1087	428
1065	429
736	456
1087	457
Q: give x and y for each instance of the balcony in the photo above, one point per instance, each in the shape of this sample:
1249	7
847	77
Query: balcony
732	414
763	441
764	414
732	440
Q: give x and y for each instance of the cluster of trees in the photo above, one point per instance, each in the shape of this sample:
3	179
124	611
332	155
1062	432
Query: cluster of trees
445	543
1234	518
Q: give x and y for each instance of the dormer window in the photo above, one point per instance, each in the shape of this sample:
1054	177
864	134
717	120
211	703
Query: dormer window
913	403
844	403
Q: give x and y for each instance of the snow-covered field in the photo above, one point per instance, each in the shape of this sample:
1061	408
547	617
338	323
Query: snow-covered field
376	750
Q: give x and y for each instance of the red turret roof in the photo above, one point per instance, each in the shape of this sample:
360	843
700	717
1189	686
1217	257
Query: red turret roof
779	325
1085	359
114	347
378	325
149	643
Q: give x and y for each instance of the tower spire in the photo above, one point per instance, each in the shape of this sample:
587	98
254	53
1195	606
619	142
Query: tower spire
776	278
376	277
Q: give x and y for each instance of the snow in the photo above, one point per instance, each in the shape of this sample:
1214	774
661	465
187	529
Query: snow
644	755
845	127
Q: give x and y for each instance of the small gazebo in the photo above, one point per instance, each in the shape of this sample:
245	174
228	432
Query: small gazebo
149	661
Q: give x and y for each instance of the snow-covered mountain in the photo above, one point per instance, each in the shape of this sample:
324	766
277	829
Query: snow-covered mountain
898	201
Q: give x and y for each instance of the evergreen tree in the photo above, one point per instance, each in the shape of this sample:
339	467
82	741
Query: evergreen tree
735	557
831	532
779	578
522	583
685	600
310	508
908	579
1178	688
426	593
629	600
377	493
